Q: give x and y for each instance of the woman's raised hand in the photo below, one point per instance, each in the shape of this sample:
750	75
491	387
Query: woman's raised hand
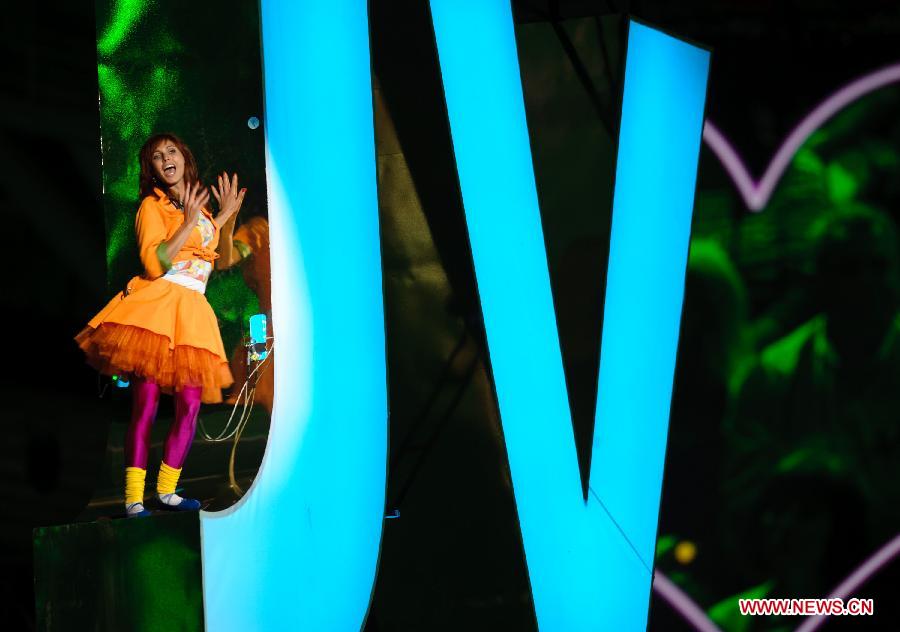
195	198
228	196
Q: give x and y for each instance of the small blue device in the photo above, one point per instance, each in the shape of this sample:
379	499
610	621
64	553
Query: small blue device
257	346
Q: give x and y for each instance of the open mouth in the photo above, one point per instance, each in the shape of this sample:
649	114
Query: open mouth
169	170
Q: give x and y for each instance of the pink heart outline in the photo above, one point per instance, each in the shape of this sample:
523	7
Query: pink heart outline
756	194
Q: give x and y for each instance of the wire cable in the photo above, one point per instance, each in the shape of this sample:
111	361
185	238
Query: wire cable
240	430
225	434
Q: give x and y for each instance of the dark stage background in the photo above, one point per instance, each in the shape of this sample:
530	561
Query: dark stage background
784	447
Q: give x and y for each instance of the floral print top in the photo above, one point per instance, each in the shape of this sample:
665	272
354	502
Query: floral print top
194	273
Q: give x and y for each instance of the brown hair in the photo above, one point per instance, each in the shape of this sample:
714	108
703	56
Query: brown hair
148	177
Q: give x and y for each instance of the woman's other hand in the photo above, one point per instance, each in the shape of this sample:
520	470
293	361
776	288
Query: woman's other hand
229	197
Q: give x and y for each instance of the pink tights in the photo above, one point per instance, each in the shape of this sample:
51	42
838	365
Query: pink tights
143	414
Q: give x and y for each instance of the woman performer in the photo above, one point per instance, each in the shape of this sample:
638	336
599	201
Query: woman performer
160	330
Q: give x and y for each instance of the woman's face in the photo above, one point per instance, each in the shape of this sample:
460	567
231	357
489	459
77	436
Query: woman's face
168	163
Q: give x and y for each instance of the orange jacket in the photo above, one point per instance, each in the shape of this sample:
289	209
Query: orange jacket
156	222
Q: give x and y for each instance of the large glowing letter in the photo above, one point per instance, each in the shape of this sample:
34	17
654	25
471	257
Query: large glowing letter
299	551
589	561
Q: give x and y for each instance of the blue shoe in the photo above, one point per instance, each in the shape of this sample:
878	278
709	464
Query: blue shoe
136	510
186	504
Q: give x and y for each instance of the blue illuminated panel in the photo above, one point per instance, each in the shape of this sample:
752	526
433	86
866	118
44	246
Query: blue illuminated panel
299	551
656	172
589	563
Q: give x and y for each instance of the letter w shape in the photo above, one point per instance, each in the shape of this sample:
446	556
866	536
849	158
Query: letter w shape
589	561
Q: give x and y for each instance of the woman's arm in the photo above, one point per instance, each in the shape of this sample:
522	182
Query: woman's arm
229	254
230	199
195	197
150	230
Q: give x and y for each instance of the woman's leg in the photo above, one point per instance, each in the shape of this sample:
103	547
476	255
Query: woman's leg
181	436
145	402
187	407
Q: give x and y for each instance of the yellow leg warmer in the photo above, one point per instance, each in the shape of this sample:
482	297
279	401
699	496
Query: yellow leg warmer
134	484
167	479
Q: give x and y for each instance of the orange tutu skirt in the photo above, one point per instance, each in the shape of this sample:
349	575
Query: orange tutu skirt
163	332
